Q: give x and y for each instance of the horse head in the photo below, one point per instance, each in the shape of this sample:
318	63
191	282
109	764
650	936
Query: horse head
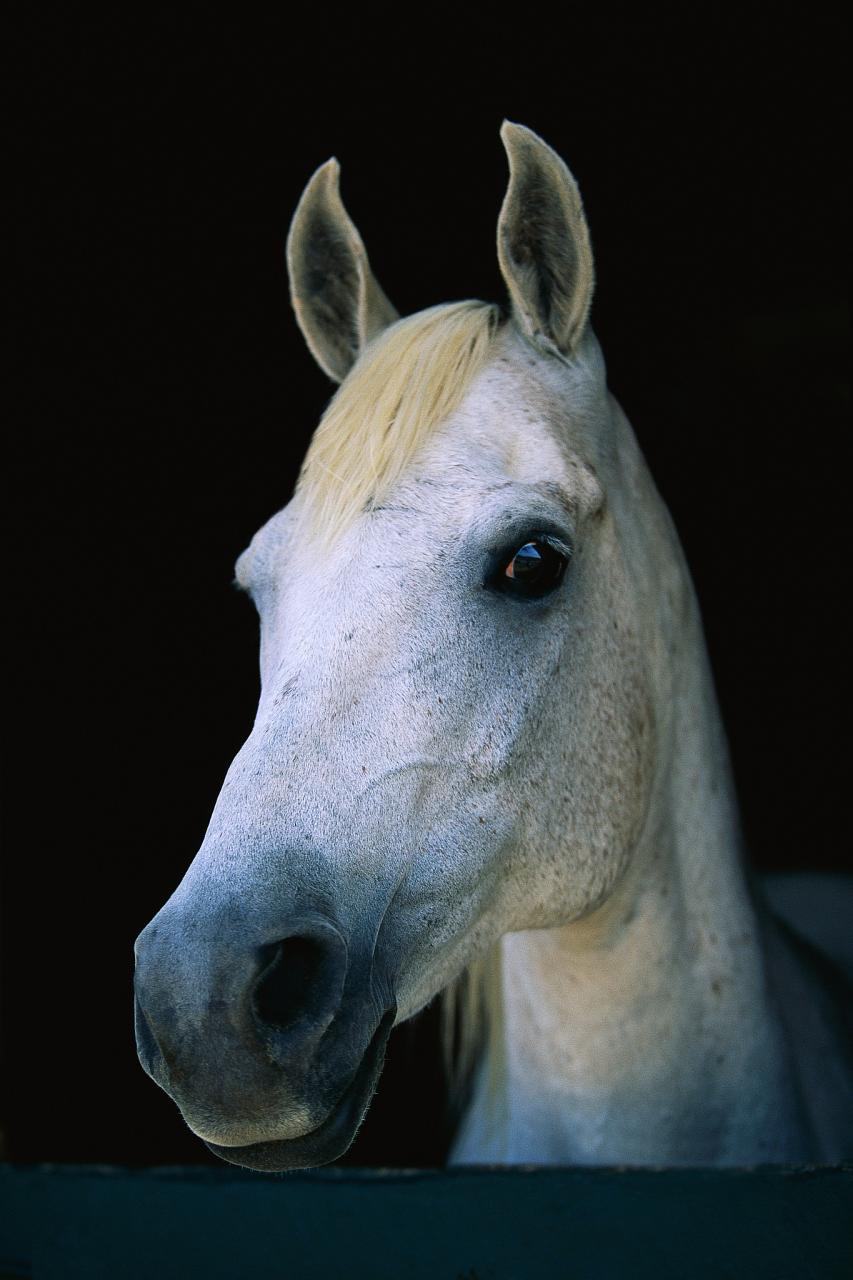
461	683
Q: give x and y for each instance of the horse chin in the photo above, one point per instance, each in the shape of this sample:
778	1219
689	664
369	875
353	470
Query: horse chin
329	1140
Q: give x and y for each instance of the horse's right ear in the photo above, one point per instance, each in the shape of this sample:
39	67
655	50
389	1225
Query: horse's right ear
543	243
338	302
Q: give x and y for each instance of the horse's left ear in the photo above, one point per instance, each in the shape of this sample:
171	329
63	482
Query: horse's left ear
337	299
543	243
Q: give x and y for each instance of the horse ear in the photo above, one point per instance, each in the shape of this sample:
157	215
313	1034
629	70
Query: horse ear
338	303
543	243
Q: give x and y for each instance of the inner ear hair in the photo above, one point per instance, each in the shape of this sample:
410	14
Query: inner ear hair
543	243
338	302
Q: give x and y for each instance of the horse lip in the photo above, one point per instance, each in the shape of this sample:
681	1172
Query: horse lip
331	1138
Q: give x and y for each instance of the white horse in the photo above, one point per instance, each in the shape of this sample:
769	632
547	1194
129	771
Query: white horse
487	759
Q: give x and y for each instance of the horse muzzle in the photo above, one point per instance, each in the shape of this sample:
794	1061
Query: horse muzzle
272	1052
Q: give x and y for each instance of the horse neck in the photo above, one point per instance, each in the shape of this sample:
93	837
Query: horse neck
643	1032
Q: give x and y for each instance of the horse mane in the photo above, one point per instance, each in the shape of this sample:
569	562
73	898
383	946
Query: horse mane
403	385
471	1018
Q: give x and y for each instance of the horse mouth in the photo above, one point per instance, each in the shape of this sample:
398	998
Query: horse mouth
330	1139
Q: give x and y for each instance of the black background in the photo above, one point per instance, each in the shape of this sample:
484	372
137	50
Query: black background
168	398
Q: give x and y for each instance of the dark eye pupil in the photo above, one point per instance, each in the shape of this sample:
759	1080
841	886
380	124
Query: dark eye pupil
535	569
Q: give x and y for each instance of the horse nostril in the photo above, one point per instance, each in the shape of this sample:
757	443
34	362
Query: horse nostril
300	982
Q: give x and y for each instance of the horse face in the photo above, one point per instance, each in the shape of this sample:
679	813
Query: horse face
445	749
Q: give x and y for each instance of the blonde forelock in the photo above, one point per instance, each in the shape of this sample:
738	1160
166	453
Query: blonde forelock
403	385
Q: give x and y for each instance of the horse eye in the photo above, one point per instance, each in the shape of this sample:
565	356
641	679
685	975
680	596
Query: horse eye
533	571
